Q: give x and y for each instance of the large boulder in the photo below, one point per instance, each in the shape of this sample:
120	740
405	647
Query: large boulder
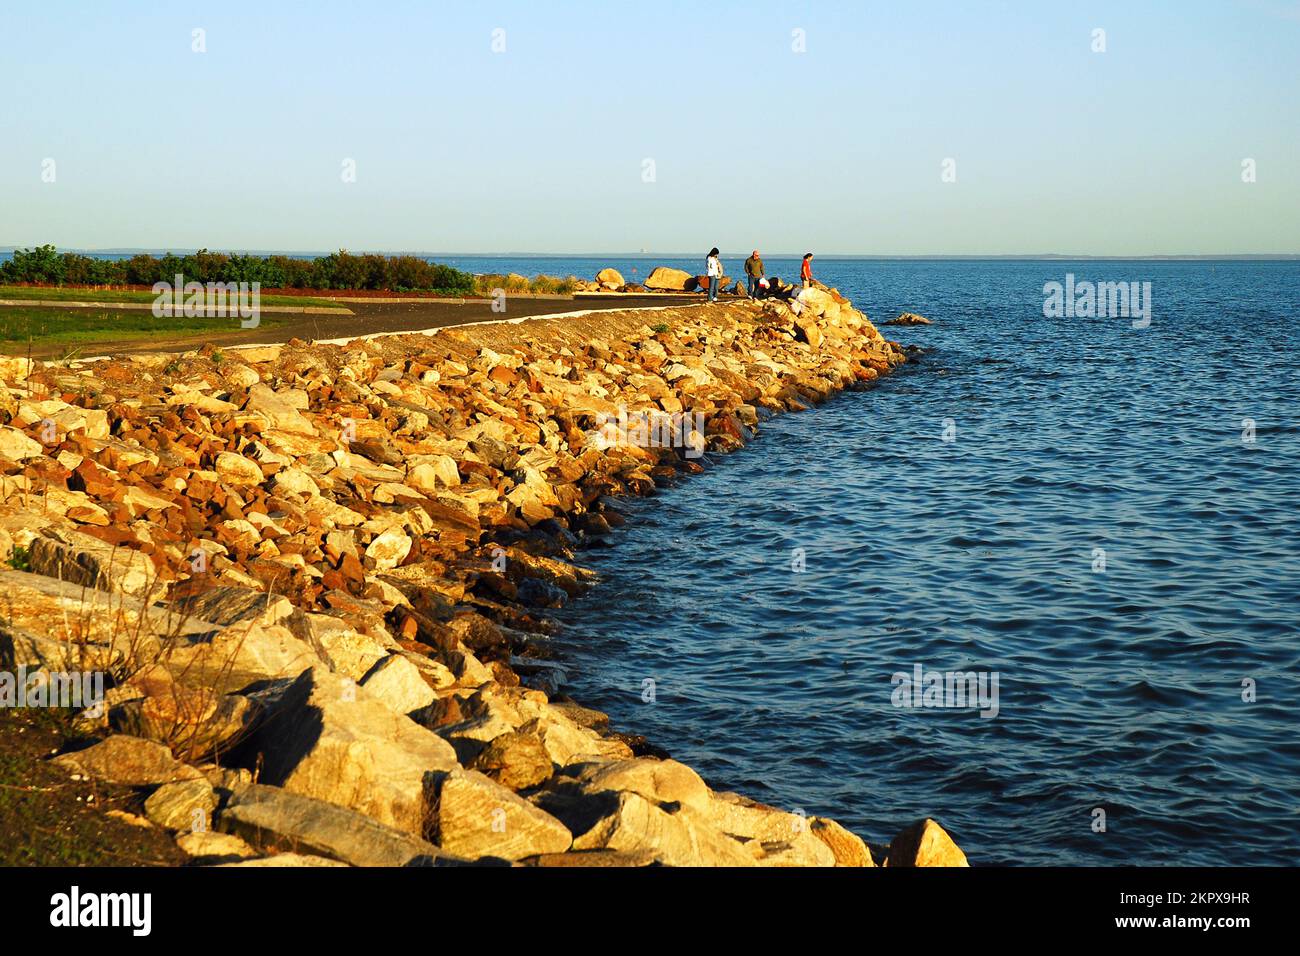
610	278
661	781
477	817
664	279
776	837
233	657
631	823
130	761
270	817
808	330
80	558
326	737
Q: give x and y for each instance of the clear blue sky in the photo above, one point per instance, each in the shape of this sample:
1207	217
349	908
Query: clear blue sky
540	149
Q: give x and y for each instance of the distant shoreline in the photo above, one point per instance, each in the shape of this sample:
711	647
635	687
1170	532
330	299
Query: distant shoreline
827	256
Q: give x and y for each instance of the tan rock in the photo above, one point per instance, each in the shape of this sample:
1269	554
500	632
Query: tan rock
478	817
848	848
434	473
83	559
397	683
294	860
610	278
515	760
925	843
240	654
327	738
294	481
660	781
347	651
241	376
388	549
632	823
212	847
233	469
779	838
665	279
183	805
130	761
282	409
268	816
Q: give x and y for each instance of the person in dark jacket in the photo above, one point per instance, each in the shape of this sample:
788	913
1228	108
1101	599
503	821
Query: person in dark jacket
753	271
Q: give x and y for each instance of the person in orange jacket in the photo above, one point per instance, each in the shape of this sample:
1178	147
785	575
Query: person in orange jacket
805	271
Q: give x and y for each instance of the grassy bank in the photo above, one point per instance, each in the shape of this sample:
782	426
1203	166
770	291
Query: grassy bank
20	325
143	297
46	819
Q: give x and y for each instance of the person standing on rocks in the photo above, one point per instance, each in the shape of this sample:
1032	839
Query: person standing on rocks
754	271
805	271
713	269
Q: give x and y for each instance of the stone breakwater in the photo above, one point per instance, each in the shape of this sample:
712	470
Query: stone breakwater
317	577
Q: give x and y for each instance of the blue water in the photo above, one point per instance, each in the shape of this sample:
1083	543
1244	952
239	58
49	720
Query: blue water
1118	689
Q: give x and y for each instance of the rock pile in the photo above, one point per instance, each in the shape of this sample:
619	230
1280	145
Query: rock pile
317	578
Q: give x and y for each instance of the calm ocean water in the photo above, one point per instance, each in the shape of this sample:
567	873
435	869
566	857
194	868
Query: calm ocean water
1119	689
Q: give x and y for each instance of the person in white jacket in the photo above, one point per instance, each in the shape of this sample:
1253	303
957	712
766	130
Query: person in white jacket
713	269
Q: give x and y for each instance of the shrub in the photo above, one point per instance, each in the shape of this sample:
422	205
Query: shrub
41	264
340	270
144	269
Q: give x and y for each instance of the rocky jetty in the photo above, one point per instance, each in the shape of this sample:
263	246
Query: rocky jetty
909	318
317	579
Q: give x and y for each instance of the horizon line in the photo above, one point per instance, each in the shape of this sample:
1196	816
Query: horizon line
121	250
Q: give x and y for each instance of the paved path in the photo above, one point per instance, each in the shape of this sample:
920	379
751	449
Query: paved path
370	318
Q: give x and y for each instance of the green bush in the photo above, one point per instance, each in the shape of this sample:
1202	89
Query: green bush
341	270
41	264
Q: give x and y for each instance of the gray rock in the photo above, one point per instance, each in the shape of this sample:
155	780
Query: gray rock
227	604
184	805
271	817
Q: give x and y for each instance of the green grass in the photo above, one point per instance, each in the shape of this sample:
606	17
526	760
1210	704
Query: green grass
46	326
62	294
48	819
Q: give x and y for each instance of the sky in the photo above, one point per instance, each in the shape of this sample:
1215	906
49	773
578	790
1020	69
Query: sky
889	128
